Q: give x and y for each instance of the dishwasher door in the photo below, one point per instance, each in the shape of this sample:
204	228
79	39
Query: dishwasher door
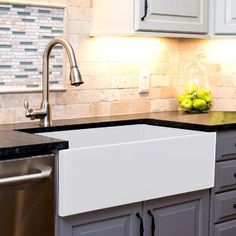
27	196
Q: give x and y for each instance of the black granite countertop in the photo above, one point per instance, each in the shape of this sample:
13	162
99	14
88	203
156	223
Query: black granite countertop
209	122
19	139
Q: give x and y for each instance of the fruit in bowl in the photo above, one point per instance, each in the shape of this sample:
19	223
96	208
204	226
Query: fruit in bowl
195	99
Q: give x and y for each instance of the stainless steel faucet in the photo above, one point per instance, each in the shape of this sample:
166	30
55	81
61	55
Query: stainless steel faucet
44	112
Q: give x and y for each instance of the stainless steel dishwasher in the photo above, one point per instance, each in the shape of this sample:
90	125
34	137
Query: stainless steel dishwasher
27	196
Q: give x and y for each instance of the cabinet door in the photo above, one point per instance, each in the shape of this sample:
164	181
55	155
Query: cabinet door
117	221
225	17
180	16
226	229
185	215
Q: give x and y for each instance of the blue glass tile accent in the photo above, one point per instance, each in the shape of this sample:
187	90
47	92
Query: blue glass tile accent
5	8
3	67
18	32
23	13
26	43
5	46
26	63
57	66
18	6
30	69
5	29
44	11
57	31
57	18
28	20
21	76
31	49
53	82
32	85
48	37
46	27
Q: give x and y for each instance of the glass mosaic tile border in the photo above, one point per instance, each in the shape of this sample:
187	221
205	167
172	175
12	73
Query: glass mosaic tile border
25	30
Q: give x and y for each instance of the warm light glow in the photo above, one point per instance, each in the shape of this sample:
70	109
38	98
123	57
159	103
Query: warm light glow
221	50
127	49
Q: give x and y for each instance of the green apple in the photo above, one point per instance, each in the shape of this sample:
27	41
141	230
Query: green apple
191	88
204	94
187	104
181	97
199	104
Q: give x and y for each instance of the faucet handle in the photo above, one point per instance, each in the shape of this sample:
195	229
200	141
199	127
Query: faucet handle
28	111
37	113
26	105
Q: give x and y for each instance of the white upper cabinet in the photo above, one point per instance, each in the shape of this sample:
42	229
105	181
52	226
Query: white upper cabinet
182	16
161	17
225	17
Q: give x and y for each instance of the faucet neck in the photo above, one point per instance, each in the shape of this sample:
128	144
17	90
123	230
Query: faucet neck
45	70
44	112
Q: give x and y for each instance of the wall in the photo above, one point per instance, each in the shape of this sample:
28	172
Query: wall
111	66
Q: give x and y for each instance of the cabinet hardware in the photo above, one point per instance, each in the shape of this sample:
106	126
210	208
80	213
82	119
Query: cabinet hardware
141	228
145	10
153	223
234	206
235	175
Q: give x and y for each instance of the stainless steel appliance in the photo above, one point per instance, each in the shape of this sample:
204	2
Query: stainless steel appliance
27	196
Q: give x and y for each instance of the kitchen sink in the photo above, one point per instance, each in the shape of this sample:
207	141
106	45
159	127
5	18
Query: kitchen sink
111	166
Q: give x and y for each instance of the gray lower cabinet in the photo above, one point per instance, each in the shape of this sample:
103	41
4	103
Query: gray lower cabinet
185	215
223	195
117	221
226	229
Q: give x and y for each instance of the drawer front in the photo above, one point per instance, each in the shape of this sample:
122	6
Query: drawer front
226	145
225	178
226	229
225	206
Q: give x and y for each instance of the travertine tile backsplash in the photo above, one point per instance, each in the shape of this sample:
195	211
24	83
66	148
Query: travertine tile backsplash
111	66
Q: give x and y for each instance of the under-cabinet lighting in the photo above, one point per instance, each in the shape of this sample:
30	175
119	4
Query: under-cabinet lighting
127	49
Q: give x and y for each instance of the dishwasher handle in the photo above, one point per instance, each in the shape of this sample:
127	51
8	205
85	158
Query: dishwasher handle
44	174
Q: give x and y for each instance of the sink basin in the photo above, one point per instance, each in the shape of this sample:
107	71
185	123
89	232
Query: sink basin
111	166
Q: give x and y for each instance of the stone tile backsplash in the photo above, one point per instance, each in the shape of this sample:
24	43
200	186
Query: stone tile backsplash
110	68
24	31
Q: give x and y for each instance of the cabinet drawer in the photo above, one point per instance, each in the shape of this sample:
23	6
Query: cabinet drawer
225	206
225	176
226	145
226	229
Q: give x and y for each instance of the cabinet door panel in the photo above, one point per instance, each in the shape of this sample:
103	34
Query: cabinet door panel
226	145
225	17
225	176
170	219
185	215
225	206
115	227
181	8
226	229
190	16
117	221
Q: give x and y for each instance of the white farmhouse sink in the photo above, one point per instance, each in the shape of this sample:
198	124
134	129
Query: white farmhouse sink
106	167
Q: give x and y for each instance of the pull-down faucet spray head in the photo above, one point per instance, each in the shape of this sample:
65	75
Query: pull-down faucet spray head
75	76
